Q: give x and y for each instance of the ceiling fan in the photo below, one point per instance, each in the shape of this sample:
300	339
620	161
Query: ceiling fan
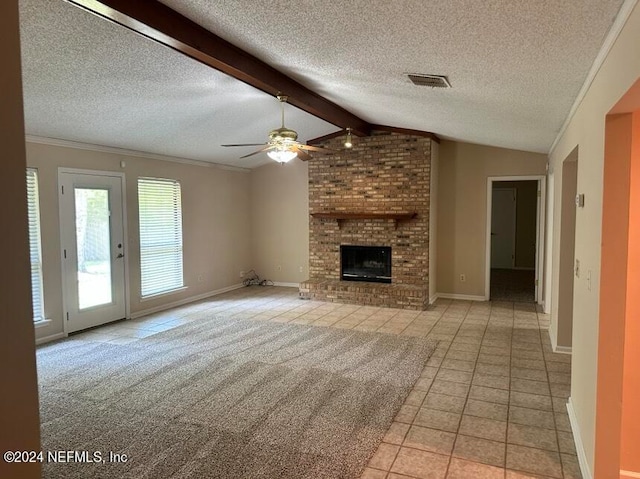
283	145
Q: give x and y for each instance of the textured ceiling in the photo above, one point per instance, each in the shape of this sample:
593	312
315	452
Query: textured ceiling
88	80
515	67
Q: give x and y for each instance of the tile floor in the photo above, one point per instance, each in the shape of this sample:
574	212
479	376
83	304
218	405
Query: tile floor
491	401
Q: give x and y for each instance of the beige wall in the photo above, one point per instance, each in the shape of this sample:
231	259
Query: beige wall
564	253
586	130
462	209
280	221
19	419
216	224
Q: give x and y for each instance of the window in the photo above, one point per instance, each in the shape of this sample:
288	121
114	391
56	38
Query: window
160	209
35	251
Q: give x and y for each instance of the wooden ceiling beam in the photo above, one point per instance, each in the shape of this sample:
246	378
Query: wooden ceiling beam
167	27
393	129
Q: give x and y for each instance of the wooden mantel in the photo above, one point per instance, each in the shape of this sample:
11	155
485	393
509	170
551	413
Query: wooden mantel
341	216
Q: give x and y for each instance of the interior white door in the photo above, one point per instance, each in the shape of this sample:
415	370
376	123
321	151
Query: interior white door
93	249
503	228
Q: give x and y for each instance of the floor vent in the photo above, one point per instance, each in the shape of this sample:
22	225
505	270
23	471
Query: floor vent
433	81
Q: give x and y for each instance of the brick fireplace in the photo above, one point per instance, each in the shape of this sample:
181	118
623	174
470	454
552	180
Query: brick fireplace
375	194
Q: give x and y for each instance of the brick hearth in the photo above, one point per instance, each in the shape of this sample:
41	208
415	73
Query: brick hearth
387	172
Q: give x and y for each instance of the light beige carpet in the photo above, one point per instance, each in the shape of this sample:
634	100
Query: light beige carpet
225	398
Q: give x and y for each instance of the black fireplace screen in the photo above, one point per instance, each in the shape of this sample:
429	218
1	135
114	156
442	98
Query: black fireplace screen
365	263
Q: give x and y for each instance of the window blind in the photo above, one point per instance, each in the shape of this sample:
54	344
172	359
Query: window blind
160	211
35	251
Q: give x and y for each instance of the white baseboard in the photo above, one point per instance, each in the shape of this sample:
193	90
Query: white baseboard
465	297
577	437
629	474
286	285
432	299
53	337
563	349
191	299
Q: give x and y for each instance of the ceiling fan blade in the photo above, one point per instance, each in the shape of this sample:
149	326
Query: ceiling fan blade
316	148
256	152
247	144
303	155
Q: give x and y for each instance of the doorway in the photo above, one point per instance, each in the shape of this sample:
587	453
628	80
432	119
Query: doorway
568	268
514	207
92	232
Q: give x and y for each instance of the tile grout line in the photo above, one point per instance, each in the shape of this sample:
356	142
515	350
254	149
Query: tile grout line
430	385
442	321
401	445
538	330
553	412
506	436
466	399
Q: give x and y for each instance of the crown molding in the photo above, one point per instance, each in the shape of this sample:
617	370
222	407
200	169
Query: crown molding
618	24
43	140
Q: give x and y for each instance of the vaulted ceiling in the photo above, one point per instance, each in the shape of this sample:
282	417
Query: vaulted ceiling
515	70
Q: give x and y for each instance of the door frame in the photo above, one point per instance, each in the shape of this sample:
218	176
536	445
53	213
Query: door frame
548	255
540	228
114	174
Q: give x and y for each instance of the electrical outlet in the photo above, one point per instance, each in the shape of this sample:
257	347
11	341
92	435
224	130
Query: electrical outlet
200	278
301	269
242	274
463	278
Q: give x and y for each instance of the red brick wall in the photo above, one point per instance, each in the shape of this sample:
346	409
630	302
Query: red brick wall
386	172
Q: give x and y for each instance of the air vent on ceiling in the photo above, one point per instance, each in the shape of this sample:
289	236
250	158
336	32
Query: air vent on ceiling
434	81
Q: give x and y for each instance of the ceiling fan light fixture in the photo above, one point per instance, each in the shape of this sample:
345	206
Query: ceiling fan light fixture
282	155
283	145
348	142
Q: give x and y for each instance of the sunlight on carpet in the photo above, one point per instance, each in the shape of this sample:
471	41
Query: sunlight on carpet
226	398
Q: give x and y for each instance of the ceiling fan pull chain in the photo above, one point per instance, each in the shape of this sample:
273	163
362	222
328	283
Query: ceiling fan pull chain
283	99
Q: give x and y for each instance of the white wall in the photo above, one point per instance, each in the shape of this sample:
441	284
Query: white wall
586	130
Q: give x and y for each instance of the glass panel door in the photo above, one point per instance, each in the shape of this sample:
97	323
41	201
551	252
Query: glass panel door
93	233
93	249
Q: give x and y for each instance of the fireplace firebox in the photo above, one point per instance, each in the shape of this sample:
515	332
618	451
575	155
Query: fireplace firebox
365	263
